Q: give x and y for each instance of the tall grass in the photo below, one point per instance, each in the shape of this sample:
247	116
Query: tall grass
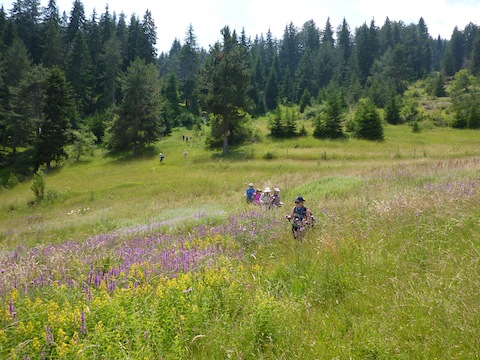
133	259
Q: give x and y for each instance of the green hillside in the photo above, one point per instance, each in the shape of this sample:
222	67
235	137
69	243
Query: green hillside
130	258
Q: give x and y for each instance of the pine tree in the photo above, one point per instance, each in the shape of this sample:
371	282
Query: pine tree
171	106
189	63
52	52
27	106
306	100
392	110
368	124
228	89
475	56
329	123
77	21
148	39
110	61
277	127
139	120
79	73
272	88
53	129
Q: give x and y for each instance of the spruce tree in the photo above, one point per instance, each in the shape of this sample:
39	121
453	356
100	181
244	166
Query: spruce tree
392	110
189	63
54	127
139	120
368	124
228	79
329	122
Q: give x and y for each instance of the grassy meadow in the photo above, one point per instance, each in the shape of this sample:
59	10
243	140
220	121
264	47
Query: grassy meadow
133	259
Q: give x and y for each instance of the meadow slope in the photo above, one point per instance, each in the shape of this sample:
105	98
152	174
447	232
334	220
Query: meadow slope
130	258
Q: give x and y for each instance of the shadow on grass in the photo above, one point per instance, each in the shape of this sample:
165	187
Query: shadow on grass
146	152
235	154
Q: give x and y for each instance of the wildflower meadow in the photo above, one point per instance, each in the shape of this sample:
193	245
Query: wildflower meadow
135	263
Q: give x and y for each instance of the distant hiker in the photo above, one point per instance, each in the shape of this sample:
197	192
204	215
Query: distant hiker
256	197
266	197
183	137
185	152
162	157
301	217
249	193
275	200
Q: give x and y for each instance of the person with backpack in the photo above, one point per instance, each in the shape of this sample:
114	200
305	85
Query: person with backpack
300	216
266	198
249	193
275	199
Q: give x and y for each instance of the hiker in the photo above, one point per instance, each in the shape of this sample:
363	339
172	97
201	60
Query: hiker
249	193
161	157
185	152
256	197
275	200
266	197
300	216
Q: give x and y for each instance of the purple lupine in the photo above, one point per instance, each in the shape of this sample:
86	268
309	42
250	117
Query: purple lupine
83	325
49	335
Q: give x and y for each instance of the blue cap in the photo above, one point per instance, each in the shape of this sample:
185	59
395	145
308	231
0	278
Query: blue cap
299	198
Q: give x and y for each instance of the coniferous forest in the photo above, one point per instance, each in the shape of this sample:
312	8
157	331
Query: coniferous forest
79	79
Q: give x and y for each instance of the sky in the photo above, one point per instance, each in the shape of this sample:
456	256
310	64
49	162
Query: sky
208	17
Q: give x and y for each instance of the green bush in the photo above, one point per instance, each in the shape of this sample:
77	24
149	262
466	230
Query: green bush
269	155
38	185
12	181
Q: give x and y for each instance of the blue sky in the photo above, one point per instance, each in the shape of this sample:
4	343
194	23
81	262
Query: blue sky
207	17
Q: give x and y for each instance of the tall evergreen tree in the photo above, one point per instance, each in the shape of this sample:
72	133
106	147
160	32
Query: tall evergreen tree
79	73
327	35
310	35
110	61
27	107
27	16
53	48
148	39
189	63
107	26
229	86
139	120
364	52
289	57
171	106
53	129
329	122
475	56
272	88
77	21
454	56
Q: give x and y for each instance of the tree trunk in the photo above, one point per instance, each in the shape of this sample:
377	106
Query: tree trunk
134	150
225	143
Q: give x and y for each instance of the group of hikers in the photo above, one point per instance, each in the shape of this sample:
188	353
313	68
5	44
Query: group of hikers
300	216
263	198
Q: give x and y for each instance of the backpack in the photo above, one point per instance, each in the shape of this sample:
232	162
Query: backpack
299	214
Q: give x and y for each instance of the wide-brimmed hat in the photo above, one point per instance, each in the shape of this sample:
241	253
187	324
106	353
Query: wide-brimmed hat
267	189
251	184
276	189
299	198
